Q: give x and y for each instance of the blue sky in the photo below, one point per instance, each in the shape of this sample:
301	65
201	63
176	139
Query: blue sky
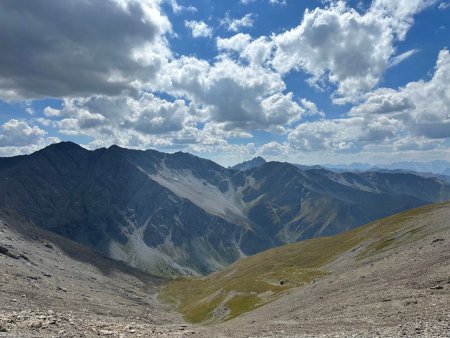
300	81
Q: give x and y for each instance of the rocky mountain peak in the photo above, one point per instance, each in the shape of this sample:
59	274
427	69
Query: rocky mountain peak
250	164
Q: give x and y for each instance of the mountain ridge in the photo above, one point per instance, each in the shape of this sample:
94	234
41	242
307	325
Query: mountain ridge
173	214
435	167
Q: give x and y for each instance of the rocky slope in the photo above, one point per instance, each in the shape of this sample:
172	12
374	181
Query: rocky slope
173	214
53	287
390	278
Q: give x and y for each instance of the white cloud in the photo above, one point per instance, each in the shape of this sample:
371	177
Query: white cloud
242	97
235	25
415	117
120	119
311	108
177	8
347	134
199	29
259	51
51	112
141	123
256	52
278	2
273	149
281	109
18	138
340	46
17	133
424	106
107	80
236	43
402	57
383	101
400	13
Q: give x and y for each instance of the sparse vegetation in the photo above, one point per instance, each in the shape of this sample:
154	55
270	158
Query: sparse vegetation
255	281
242	303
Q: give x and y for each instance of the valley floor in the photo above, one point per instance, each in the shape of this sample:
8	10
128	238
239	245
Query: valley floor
48	291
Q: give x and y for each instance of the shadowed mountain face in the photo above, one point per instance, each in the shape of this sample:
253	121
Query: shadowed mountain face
180	214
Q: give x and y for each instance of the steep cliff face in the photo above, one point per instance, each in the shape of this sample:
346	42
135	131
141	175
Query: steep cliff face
180	214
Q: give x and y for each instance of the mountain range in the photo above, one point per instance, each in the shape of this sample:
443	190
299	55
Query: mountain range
178	214
441	167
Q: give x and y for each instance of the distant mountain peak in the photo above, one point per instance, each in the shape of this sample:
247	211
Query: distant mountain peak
250	164
115	146
64	146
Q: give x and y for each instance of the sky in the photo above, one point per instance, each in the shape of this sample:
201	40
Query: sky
303	81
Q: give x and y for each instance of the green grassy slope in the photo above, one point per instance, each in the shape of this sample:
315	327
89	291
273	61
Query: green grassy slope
259	279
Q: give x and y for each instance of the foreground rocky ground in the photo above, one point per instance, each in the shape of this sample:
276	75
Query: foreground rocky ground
51	287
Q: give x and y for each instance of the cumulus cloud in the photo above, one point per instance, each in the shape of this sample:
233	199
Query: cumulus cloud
340	46
383	101
199	29
236	43
78	48
347	134
241	97
120	83
423	106
19	137
311	108
414	117
140	123
122	119
273	148
400	14
257	52
17	133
